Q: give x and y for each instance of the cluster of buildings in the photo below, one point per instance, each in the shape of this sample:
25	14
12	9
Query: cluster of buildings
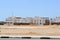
29	20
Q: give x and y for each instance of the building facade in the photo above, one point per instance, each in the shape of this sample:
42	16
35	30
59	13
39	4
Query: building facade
12	20
28	20
41	20
19	20
55	20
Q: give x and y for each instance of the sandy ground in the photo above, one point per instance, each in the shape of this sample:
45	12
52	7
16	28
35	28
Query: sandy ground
31	30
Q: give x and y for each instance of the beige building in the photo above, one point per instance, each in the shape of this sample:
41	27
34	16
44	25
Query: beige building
55	20
40	20
29	20
12	20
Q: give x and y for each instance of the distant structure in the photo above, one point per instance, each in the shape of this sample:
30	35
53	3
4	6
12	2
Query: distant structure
41	20
13	20
27	21
55	20
18	20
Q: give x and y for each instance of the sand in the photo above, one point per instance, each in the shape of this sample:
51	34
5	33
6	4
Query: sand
31	30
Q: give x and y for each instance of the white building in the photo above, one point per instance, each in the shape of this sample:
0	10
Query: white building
36	20
12	20
55	20
29	20
40	20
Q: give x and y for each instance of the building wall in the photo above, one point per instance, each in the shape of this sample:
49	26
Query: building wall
55	20
40	20
36	20
10	20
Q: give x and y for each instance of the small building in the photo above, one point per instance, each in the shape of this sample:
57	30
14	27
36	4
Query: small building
41	20
12	20
28	20
45	21
55	20
18	20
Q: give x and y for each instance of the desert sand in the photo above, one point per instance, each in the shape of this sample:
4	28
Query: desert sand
31	30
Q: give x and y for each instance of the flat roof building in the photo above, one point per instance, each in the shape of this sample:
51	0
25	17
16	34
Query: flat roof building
40	20
55	20
12	20
36	20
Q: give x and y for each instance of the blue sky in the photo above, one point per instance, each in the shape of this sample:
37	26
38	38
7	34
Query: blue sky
29	8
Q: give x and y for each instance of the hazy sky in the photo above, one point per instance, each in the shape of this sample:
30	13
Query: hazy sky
29	8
